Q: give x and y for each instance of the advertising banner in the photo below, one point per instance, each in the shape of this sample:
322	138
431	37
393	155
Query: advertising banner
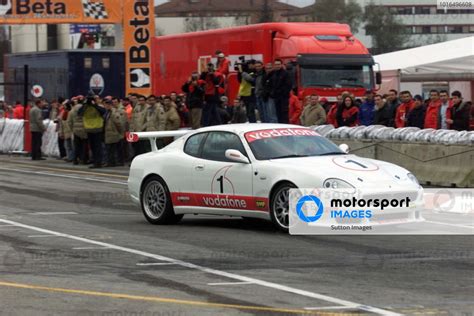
138	30
60	11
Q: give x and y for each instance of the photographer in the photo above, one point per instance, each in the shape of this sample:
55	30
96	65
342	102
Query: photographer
246	77
93	118
194	88
214	88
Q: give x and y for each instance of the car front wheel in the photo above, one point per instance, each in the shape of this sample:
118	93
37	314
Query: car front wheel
156	202
279	211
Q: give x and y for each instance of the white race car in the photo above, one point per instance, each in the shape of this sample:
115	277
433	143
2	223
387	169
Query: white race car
247	170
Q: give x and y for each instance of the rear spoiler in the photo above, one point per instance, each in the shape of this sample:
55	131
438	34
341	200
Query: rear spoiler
153	136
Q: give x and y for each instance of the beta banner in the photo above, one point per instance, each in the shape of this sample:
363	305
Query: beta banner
138	30
60	11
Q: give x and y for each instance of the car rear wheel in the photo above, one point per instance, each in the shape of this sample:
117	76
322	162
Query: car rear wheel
156	203
279	211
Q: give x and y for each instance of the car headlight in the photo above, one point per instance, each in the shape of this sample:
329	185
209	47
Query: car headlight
334	183
412	177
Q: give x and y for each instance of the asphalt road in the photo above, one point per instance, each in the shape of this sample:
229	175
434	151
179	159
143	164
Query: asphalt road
71	243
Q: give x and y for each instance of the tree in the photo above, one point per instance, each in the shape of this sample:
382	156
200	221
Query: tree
388	33
338	11
266	13
200	23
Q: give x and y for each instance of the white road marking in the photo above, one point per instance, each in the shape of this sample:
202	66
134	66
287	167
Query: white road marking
229	275
453	225
64	176
53	213
155	263
230	283
89	248
42	236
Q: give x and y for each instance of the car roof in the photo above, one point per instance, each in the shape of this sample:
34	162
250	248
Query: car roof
246	127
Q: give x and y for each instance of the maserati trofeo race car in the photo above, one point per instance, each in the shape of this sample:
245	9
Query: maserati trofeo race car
247	170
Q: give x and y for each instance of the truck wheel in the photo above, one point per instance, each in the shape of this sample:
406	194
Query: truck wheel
279	206
156	203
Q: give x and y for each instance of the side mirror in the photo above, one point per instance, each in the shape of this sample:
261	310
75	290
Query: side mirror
236	156
344	148
378	78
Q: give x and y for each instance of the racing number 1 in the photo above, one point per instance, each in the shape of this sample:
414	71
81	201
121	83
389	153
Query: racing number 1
221	182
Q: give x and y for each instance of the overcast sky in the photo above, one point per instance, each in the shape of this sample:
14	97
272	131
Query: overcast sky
298	3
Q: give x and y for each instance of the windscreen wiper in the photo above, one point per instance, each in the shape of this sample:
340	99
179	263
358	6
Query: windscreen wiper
290	156
333	153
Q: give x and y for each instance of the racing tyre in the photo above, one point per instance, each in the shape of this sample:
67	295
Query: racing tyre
156	203
279	206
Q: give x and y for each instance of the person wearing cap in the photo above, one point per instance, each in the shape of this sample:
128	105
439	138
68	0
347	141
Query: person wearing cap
76	125
367	109
416	117
224	110
222	64
246	77
93	118
194	89
214	89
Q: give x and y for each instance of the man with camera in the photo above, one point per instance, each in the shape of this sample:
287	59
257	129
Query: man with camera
246	76
214	89
194	89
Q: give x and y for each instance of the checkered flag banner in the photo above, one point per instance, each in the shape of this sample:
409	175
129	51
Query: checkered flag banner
94	9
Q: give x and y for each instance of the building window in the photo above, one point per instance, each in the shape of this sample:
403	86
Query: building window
88	62
401	10
106	63
441	29
454	29
423	10
409	29
471	29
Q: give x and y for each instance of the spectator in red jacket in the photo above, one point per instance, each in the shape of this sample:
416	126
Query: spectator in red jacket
295	109
223	64
19	111
331	117
348	114
431	116
403	109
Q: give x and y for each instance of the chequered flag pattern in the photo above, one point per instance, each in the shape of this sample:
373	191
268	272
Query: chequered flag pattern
94	9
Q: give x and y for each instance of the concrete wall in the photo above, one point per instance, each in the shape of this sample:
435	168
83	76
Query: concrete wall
432	164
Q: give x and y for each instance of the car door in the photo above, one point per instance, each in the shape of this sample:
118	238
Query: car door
219	182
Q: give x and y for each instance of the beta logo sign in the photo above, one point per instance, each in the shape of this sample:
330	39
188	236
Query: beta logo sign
139	29
97	84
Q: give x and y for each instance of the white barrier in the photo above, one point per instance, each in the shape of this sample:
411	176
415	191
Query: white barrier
12	137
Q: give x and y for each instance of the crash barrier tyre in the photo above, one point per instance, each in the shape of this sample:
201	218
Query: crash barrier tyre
155	200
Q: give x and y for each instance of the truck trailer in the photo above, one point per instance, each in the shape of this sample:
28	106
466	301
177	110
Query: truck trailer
66	73
322	58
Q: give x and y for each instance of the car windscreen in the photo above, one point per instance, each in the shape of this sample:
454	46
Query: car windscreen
336	76
288	143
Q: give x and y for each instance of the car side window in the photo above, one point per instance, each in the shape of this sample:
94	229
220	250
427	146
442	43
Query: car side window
218	142
193	144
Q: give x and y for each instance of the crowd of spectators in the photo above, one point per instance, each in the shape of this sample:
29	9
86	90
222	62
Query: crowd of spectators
91	129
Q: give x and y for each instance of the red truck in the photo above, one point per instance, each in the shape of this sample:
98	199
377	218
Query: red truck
323	58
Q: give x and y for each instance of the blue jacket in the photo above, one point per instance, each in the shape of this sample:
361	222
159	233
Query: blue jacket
367	113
